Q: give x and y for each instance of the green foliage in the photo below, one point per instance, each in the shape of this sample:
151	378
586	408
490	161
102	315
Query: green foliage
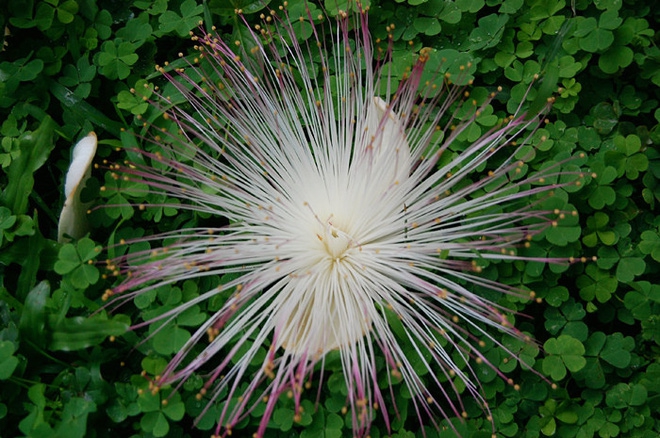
34	148
116	59
72	66
564	353
181	23
76	263
8	362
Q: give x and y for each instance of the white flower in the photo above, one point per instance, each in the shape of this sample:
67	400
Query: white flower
340	218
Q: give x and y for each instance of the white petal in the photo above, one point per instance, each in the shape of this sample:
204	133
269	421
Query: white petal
73	219
392	159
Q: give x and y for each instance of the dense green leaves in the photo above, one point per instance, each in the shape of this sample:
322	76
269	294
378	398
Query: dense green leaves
45	329
35	148
72	66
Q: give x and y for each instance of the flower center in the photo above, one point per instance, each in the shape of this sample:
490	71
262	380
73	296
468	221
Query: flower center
335	242
324	307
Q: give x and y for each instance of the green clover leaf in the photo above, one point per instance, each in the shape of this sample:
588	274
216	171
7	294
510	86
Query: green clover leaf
565	352
76	262
8	362
184	23
116	58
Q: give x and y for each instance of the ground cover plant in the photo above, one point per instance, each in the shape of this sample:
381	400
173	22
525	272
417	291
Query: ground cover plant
71	369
